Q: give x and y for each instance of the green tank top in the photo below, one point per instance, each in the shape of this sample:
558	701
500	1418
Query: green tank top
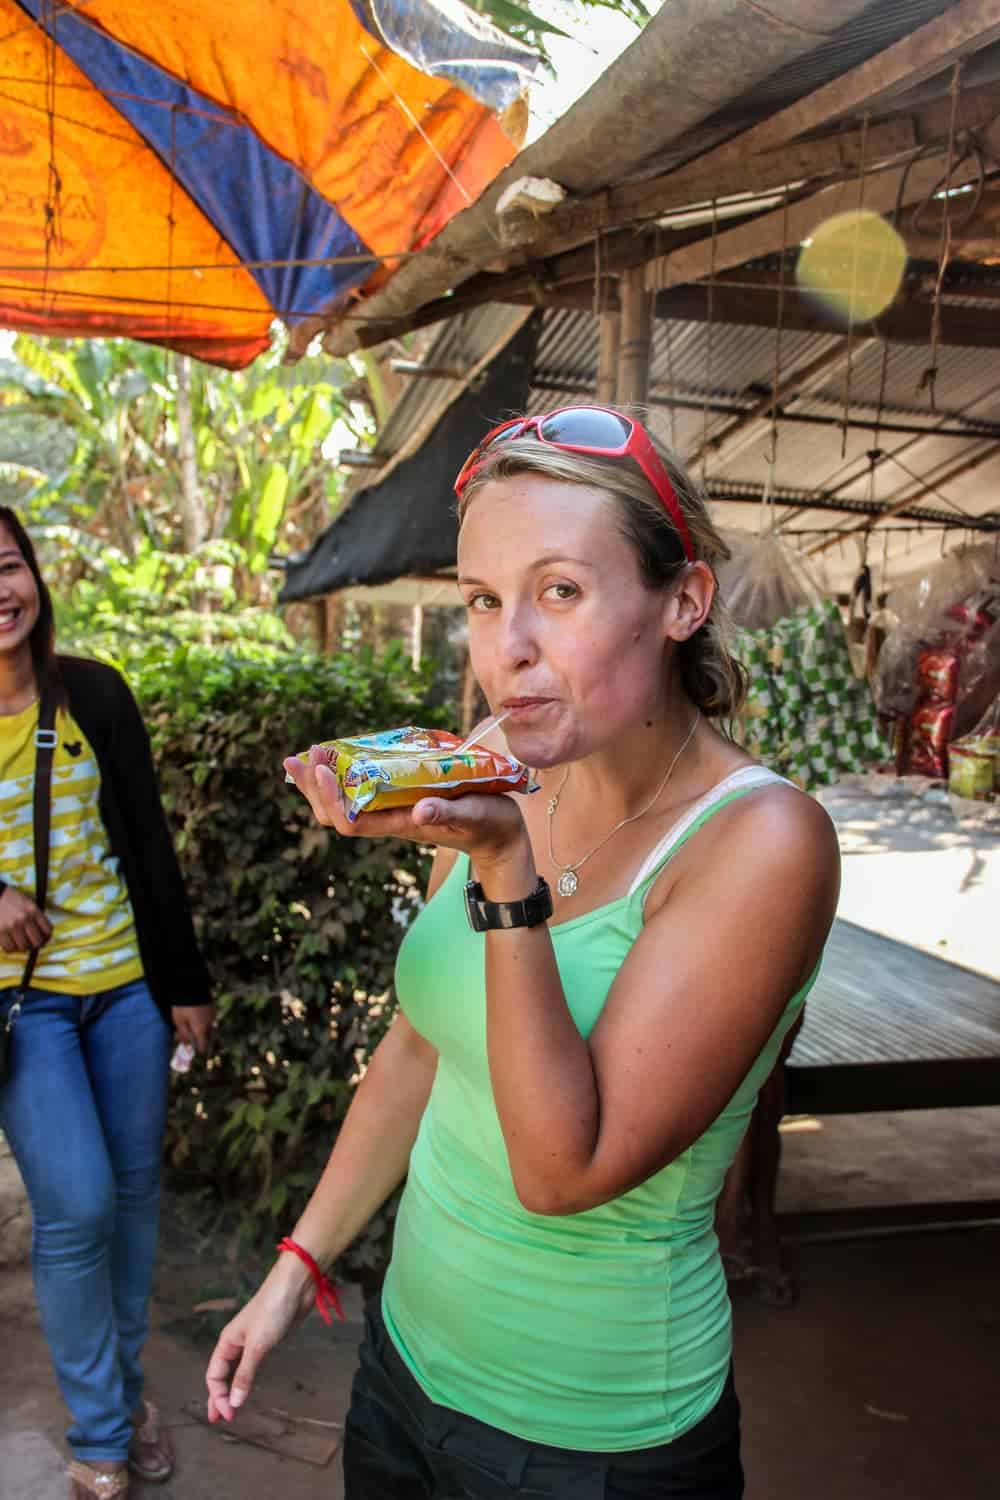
604	1331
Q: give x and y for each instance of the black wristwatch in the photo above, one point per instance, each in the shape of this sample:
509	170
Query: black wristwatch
488	916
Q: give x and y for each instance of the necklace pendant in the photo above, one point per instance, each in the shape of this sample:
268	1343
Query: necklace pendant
553	804
567	883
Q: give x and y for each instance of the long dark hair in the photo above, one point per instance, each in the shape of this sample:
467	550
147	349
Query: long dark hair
42	639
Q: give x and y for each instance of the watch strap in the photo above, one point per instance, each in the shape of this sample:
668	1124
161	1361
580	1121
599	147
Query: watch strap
493	916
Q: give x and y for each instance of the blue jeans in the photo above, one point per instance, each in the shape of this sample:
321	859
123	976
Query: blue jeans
84	1110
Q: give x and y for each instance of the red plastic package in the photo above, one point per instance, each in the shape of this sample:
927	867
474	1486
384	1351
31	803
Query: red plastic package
937	676
977	613
930	731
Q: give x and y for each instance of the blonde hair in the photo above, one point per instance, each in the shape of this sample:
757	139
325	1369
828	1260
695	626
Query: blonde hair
712	677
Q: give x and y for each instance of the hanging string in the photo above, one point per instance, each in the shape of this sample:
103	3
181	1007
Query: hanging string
598	290
862	167
767	503
408	112
880	405
53	186
669	336
928	379
885	562
708	342
171	221
926	484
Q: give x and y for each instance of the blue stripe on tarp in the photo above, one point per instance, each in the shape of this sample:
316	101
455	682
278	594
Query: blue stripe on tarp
258	202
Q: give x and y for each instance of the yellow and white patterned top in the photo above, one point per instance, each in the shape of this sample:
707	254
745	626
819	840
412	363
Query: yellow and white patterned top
94	946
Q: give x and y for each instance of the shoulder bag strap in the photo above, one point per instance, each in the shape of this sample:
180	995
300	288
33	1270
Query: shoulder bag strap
45	748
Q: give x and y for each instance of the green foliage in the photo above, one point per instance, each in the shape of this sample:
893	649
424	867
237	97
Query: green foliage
529	25
90	453
300	927
123	609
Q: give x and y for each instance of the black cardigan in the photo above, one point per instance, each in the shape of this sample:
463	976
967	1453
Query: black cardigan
102	704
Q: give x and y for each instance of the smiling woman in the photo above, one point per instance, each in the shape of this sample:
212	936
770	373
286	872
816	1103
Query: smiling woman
565	1089
97	958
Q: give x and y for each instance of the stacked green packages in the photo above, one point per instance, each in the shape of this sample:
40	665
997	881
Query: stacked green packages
807	716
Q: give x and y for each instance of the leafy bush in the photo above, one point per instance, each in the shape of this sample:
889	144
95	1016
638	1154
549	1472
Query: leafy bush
300	928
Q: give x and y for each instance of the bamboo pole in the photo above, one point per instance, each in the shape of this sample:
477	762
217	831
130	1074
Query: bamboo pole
607	359
636	339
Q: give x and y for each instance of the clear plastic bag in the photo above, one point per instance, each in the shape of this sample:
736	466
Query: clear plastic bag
765	580
953	608
446	39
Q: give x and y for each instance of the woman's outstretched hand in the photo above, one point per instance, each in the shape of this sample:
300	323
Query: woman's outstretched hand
489	828
280	1304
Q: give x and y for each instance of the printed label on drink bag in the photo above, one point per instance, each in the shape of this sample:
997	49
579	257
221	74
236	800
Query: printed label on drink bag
397	767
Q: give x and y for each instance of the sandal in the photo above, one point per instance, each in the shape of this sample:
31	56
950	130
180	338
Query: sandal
86	1482
150	1454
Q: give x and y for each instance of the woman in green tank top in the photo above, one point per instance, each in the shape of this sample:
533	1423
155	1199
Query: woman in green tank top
589	1002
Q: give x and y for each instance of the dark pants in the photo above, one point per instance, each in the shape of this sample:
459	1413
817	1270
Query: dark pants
399	1445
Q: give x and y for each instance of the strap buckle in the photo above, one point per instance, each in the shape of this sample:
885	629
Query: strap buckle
13	1014
46	739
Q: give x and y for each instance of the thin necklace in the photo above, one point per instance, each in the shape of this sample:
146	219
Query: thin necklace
569	880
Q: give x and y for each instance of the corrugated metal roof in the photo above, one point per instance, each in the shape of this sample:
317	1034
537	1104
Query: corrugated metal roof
734	365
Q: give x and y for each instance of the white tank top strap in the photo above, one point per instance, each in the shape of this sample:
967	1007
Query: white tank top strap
742	780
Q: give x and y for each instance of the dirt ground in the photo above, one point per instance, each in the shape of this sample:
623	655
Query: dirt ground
880	1385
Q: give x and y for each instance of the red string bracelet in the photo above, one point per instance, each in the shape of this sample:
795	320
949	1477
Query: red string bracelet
326	1292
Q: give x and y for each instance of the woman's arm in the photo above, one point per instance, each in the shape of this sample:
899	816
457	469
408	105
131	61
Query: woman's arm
749	909
691	1008
372	1150
369	1160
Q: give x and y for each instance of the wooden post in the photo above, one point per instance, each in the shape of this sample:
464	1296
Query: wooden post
318	609
333	624
610	330
636	339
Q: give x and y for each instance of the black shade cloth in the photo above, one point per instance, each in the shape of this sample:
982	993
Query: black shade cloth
407	524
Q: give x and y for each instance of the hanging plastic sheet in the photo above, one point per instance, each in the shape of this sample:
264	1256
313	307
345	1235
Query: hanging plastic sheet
187	172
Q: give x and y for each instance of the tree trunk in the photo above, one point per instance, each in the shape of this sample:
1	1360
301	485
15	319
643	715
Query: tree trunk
416	636
194	522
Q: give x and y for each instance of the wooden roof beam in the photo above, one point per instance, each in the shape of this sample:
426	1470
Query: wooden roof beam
906	322
838	154
905	505
834	154
745	429
785	227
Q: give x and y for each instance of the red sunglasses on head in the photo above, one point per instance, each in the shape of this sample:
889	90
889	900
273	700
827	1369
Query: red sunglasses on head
599	430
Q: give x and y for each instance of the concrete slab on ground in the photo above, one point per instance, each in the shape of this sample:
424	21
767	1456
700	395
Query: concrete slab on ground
915	872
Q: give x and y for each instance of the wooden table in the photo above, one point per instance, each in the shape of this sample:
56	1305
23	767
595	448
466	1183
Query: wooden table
888	1027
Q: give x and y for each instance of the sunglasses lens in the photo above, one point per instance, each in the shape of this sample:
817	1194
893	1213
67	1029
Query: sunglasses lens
587	427
505	435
